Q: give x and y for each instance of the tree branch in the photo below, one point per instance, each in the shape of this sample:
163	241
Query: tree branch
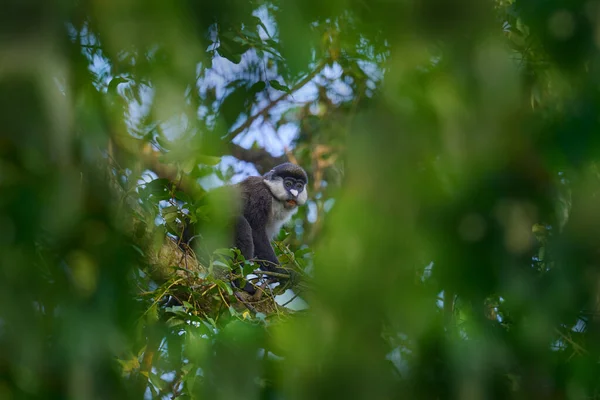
262	159
264	112
150	159
162	258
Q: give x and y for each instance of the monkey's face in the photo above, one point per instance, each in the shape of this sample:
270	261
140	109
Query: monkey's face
289	190
294	187
288	182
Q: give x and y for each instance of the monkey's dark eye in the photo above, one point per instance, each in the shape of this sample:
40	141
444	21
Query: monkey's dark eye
288	184
299	186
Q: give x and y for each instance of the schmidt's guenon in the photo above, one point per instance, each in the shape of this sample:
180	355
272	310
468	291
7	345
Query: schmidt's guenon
261	206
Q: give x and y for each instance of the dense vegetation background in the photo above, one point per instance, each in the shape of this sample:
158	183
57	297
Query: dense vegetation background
450	248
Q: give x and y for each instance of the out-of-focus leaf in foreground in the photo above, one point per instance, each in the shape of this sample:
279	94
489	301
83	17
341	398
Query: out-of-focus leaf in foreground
449	247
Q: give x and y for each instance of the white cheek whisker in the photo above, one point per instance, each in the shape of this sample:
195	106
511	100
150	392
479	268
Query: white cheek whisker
303	196
277	189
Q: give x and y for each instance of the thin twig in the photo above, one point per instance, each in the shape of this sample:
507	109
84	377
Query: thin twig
244	302
290	300
576	346
275	274
223	298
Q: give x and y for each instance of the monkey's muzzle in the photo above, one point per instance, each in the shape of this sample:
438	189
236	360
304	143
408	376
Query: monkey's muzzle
291	203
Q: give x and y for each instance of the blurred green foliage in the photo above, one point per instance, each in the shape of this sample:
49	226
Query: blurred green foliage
453	228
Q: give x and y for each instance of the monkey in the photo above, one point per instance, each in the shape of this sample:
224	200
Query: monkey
261	206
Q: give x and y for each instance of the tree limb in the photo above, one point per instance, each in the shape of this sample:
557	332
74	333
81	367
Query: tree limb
162	258
264	112
261	158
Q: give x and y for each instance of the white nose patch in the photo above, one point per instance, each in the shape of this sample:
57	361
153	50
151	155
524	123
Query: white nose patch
294	192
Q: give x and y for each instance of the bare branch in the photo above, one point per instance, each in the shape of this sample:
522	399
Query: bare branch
150	159
262	159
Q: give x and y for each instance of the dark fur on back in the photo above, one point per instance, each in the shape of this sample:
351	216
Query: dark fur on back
252	213
257	201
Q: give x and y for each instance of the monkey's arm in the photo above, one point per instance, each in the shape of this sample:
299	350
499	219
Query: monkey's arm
264	253
257	209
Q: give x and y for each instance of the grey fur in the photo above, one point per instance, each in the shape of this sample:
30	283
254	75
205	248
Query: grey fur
266	205
266	208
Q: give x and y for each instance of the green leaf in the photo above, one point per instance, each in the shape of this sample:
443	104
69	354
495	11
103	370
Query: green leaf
188	166
276	85
210	324
172	226
248	267
136	248
158	187
227	252
230	48
175	309
114	83
236	253
157	381
225	287
183	196
174	321
129	365
234	58
257	87
187	367
170	209
208	160
302	252
259	22
220	264
170	217
234	104
152	314
250	34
